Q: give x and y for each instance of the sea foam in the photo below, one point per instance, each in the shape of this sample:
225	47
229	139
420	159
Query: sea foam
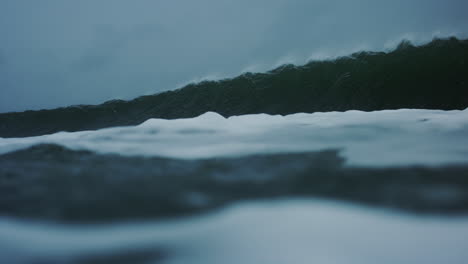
380	138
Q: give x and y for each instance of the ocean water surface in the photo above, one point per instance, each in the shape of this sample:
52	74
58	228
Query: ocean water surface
337	187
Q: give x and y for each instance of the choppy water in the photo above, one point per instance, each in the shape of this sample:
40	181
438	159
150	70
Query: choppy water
244	189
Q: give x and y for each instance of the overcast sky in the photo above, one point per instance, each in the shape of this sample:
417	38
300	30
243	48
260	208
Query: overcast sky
62	52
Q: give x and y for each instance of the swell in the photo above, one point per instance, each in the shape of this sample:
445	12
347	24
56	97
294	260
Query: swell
431	76
55	183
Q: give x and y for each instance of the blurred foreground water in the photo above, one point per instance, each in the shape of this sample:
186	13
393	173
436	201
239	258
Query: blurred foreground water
352	187
284	231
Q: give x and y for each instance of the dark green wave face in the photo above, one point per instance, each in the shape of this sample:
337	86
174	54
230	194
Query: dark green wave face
431	76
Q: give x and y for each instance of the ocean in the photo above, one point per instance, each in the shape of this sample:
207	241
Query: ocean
362	159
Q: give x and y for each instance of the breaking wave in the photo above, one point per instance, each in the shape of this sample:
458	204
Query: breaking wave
431	76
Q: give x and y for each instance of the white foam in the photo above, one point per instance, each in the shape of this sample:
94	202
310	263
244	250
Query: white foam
390	137
278	232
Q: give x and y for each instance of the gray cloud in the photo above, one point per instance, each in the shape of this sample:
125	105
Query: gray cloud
63	52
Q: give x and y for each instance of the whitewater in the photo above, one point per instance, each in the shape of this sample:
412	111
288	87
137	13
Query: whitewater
381	138
281	230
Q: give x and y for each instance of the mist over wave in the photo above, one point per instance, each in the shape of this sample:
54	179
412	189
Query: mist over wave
431	76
